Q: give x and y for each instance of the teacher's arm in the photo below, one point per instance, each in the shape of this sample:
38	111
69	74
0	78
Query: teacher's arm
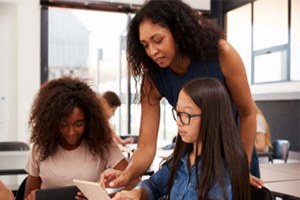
144	154
236	80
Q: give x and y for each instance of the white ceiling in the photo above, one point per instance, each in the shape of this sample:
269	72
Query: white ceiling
203	5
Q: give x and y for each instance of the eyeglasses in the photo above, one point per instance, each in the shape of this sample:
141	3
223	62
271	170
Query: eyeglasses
184	117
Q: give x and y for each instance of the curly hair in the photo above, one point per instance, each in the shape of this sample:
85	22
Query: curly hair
55	100
196	37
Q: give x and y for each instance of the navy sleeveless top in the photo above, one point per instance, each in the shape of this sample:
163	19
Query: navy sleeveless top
169	84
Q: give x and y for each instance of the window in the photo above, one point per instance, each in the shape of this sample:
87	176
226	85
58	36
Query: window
85	44
238	29
260	33
295	40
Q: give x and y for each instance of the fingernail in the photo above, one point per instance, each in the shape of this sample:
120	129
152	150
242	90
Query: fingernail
111	184
259	187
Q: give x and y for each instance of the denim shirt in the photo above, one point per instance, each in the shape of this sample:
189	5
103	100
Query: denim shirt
184	186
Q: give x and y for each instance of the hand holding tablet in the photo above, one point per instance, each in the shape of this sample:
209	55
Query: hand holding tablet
92	190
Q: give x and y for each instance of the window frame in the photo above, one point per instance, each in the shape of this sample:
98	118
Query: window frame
254	53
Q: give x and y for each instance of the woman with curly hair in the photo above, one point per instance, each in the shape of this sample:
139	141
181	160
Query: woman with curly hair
71	137
168	44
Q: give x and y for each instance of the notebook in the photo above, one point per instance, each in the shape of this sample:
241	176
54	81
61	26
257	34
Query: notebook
92	190
61	193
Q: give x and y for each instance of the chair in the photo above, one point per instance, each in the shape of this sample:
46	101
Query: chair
14	146
21	190
150	171
261	194
280	150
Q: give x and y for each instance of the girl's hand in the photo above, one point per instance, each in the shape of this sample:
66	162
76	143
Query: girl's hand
80	196
31	195
114	178
129	195
255	182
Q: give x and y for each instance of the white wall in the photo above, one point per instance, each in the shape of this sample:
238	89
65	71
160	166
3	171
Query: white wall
8	71
19	64
276	91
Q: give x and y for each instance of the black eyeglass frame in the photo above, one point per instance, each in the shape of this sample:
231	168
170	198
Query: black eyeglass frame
178	114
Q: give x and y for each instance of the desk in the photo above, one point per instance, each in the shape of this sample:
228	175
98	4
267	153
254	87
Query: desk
288	189
164	154
272	175
293	168
13	162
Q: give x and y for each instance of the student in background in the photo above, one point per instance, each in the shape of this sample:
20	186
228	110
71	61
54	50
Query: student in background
263	137
71	136
111	102
5	192
168	44
209	159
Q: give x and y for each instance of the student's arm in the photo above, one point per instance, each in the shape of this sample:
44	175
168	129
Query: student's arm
120	140
32	184
236	80
136	194
260	142
5	193
117	138
144	154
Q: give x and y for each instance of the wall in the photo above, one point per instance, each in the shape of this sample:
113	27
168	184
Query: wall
283	117
8	71
19	64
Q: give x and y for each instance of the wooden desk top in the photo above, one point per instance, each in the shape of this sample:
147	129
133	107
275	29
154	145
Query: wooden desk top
293	168
271	175
290	189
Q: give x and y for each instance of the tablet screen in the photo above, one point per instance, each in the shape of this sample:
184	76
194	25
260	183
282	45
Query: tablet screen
92	190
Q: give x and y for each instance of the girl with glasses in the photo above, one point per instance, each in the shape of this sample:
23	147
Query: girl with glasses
209	160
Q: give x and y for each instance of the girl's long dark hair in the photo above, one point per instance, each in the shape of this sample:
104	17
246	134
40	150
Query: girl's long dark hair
55	100
220	139
196	37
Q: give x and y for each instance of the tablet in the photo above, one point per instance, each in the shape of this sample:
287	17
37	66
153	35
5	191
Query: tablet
61	193
92	190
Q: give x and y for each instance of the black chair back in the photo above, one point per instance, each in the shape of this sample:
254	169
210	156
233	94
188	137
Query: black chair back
21	190
14	146
261	194
281	149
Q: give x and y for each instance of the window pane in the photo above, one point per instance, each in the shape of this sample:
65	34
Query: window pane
295	41
270	67
82	43
270	23
239	34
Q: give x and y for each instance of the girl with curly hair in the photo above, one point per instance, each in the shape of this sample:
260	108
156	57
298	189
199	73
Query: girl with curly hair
168	44
71	137
209	159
